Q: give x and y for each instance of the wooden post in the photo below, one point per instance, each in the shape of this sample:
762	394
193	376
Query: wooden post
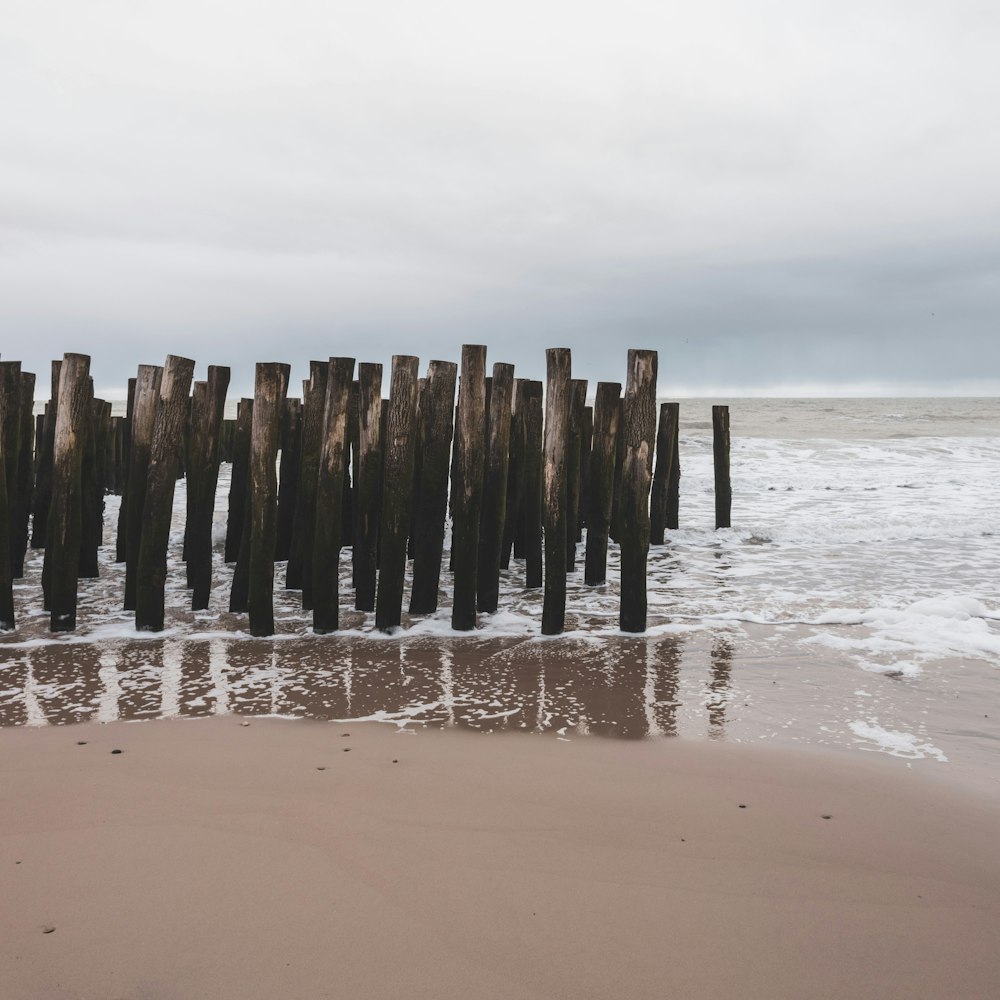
164	460
400	444
350	469
513	525
661	475
674	480
607	412
147	395
615	527
25	476
557	400
92	491
533	485
720	450
126	456
239	480
437	424
495	490
330	498
207	408
417	469
288	482
298	573
10	418
270	388
467	488
639	433
574	444
62	550
367	485
43	468
586	449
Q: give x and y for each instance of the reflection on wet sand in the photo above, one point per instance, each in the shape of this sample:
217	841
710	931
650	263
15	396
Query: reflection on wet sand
628	689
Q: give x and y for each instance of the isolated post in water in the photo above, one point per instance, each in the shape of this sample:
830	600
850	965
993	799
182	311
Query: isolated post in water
661	475
10	410
400	443
164	461
270	387
607	411
437	422
367	485
147	395
639	429
298	574
330	498
208	405
288	479
674	479
468	464
126	448
533	485
720	450
43	466
62	549
574	463
25	476
239	479
557	400
495	489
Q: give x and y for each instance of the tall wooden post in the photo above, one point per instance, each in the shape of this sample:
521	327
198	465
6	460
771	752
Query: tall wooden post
557	400
586	449
574	463
674	480
495	490
607	412
661	475
437	422
10	418
400	443
514	511
533	485
270	388
330	497
92	492
43	469
62	550
288	480
25	476
122	533
467	489
164	461
639	432
368	485
239	480
720	449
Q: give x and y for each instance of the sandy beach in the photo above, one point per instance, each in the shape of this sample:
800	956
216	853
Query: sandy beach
278	858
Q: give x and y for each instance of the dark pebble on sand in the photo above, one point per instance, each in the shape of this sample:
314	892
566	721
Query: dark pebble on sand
827	816
320	768
342	735
117	751
742	805
395	761
47	930
81	743
347	749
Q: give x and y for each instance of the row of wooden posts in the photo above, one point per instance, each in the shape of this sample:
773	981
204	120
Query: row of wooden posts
376	474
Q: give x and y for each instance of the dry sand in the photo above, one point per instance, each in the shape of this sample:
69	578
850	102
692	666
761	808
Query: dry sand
215	860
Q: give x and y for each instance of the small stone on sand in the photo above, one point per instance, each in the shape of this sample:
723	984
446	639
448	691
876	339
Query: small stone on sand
117	751
47	930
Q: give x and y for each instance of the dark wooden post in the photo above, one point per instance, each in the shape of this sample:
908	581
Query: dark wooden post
417	469
298	574
164	461
615	527
43	466
239	480
288	482
607	412
270	388
147	395
661	475
330	498
125	459
533	485
92	491
437	423
574	464
495	490
207	408
367	485
674	480
10	419
639	434
557	400
400	444
720	449
467	488
586	448
25	475
62	550
513	525
350	470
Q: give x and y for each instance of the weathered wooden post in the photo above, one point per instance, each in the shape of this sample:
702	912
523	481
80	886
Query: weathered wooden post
468	464
639	432
350	469
674	480
10	418
586	449
288	480
25	476
607	412
92	491
533	485
574	463
661	475
270	388
513	524
62	550
239	480
298	573
400	443
147	395
164	461
720	450
367	485
330	497
43	466
208	405
495	490
126	457
615	527
557	400
437	422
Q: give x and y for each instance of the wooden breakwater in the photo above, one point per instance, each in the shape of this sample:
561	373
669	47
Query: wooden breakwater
527	471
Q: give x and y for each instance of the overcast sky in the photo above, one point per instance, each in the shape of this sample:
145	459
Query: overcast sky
779	197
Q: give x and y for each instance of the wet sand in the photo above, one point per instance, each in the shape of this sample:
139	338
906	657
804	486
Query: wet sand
286	859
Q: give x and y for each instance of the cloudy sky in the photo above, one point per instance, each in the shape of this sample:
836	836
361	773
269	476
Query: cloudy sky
778	196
